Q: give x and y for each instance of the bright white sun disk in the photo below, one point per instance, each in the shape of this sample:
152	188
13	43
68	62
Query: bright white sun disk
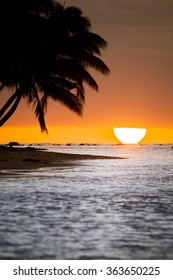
129	135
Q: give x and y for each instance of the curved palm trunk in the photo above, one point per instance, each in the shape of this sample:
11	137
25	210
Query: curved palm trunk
8	103
16	97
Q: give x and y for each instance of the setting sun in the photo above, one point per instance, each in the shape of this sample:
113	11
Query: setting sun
129	135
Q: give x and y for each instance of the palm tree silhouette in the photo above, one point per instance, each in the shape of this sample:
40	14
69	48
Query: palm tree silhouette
45	53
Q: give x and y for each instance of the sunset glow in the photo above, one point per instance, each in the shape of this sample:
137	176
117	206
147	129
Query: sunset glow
130	135
74	134
137	93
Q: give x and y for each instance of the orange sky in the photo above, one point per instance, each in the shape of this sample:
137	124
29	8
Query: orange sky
137	93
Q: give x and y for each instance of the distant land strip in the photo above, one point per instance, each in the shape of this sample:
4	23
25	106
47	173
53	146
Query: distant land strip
33	158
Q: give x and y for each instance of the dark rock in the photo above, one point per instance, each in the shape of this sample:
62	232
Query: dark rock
11	144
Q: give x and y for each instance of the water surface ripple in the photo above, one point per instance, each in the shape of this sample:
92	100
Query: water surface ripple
96	209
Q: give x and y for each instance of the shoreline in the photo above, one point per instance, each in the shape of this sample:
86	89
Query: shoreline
33	158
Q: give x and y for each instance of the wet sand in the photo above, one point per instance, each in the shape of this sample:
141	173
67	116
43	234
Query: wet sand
31	158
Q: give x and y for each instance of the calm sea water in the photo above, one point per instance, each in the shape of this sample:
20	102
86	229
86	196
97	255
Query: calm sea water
93	209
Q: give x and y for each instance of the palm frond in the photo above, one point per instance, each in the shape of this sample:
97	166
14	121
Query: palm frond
75	20
43	102
39	112
40	115
86	59
72	70
62	95
61	82
88	41
89	60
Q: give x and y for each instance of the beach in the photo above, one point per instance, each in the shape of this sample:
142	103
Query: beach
33	158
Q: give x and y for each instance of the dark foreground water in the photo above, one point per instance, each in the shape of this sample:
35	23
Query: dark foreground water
99	209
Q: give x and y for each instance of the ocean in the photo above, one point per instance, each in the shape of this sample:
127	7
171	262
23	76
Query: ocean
93	209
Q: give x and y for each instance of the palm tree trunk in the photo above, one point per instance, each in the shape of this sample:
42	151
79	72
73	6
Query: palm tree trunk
8	103
17	97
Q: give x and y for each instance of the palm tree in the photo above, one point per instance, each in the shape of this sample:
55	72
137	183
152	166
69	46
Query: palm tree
49	59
